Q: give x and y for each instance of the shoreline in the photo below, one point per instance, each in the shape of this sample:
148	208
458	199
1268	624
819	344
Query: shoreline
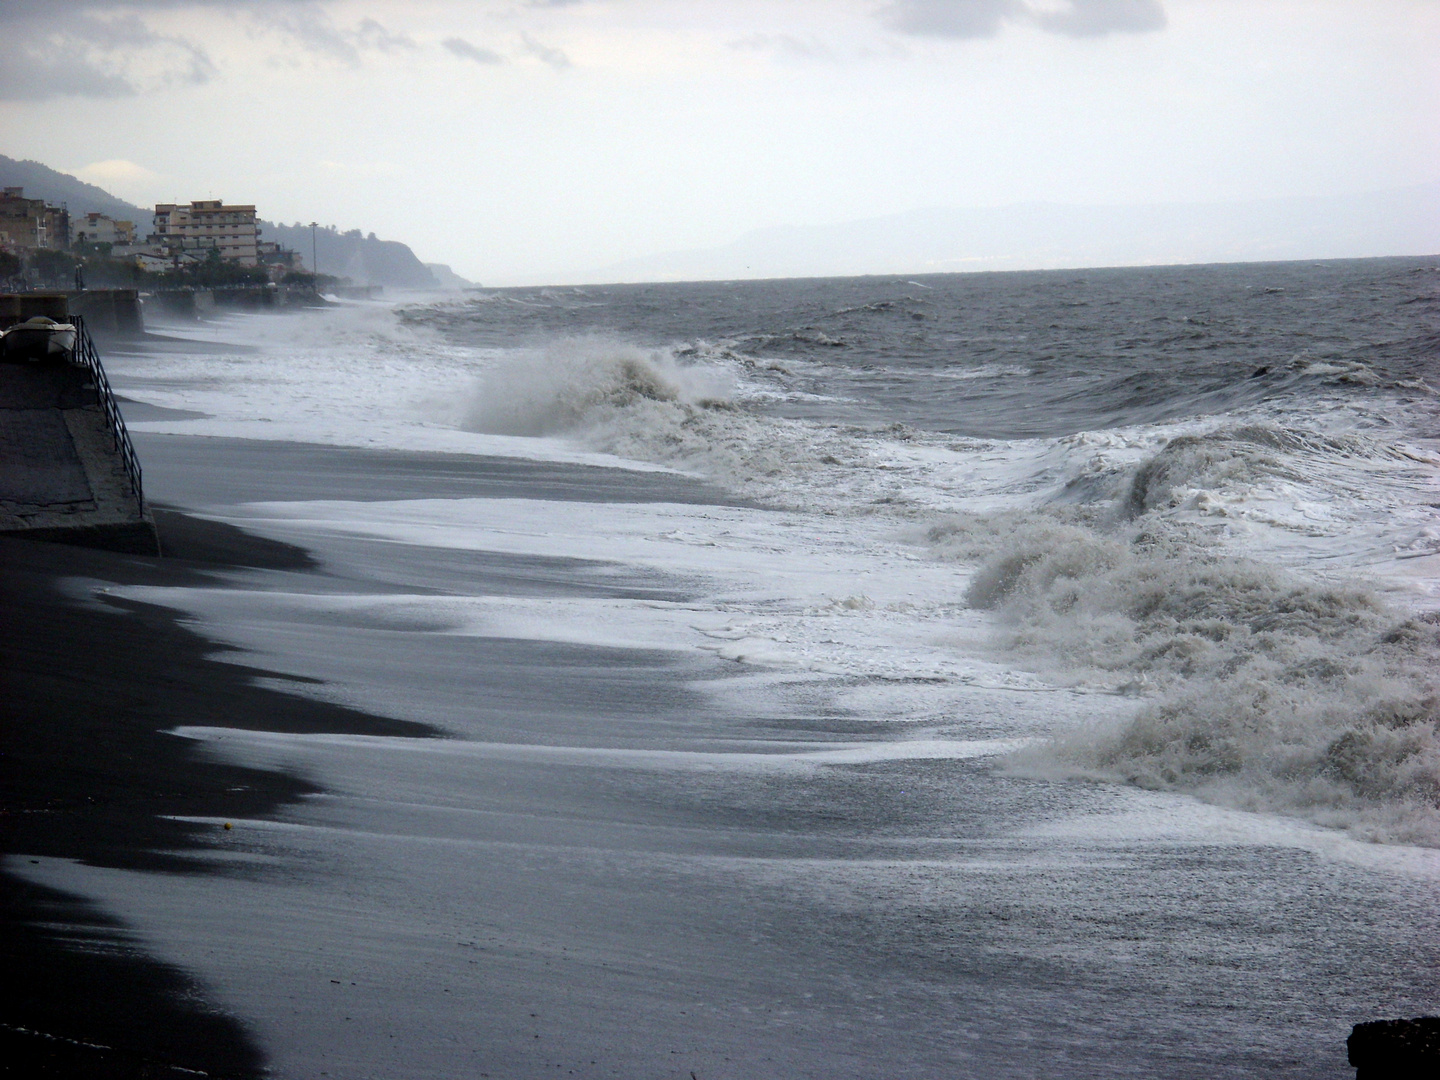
91	773
90	770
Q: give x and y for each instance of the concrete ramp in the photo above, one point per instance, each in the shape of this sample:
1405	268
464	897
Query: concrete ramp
39	466
67	471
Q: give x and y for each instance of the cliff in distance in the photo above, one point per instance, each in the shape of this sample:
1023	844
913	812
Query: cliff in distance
364	259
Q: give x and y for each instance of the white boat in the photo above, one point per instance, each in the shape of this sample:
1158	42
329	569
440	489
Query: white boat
37	339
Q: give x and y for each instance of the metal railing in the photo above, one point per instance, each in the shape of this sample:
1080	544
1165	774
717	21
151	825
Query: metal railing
86	356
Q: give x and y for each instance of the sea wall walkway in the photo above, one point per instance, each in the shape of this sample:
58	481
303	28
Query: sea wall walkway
67	471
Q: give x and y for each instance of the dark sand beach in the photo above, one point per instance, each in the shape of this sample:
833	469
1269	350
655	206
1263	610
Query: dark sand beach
92	691
91	774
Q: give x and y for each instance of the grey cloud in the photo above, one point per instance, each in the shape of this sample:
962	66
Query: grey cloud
371	35
466	51
985	18
26	77
554	57
197	71
89	53
189	62
108	33
60	13
311	27
309	24
108	43
1095	18
55	11
127	29
306	21
950	18
56	8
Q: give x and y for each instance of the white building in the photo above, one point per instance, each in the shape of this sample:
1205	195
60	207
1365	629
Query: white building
156	258
209	223
99	229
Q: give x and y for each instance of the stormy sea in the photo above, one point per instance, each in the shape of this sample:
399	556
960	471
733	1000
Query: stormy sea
981	675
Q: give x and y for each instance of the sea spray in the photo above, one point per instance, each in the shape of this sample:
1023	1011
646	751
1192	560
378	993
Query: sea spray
689	408
573	384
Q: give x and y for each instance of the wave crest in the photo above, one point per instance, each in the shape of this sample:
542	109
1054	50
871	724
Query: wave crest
1262	689
1245	455
578	383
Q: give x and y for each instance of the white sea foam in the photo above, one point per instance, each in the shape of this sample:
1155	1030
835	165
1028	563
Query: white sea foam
282	750
654	406
355	376
983	371
1261	687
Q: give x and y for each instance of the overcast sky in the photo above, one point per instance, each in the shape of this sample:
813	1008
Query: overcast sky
531	141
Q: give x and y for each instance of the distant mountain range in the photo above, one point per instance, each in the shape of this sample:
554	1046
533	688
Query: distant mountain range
1038	236
352	254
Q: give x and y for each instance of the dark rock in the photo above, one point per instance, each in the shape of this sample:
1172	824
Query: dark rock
1396	1049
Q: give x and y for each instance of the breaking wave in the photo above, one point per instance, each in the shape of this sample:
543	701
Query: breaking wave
578	383
693	408
1190	466
1261	688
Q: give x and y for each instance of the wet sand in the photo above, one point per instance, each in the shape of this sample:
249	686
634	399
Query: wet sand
196	471
90	773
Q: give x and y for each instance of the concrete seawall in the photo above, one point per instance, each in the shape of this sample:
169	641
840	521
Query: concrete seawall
109	312
63	472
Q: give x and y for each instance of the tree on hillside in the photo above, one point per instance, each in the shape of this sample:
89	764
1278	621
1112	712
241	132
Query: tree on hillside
53	269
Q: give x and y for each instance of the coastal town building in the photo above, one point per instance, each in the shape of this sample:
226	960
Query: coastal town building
156	258
278	260
31	223
209	223
95	228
